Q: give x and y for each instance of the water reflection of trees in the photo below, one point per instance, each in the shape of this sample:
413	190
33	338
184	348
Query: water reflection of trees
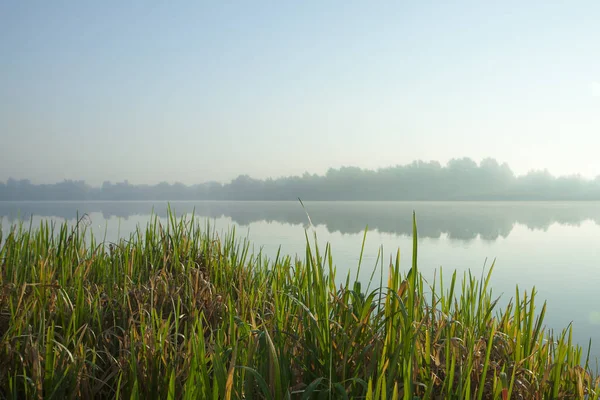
458	220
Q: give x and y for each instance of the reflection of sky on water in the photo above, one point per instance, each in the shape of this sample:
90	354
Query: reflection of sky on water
553	246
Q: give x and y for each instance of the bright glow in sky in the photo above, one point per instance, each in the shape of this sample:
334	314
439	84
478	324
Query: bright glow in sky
195	91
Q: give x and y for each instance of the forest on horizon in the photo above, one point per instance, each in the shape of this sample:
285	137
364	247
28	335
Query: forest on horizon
459	179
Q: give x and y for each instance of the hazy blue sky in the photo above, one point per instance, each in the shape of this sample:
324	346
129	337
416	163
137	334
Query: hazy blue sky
193	91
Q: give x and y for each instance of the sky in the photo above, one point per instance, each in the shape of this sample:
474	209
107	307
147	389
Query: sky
195	91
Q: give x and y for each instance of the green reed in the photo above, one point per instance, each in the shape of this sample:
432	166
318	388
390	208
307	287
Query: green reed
176	311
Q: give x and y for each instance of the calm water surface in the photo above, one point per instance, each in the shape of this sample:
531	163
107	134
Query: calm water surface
552	246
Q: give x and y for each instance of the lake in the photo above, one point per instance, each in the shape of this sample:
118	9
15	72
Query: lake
550	245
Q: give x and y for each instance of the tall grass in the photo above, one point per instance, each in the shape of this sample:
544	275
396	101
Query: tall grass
178	312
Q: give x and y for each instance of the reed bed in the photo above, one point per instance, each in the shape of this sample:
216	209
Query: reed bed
177	311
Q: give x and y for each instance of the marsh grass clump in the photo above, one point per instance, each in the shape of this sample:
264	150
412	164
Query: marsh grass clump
179	312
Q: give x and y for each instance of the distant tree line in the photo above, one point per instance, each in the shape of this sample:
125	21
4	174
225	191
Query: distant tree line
460	179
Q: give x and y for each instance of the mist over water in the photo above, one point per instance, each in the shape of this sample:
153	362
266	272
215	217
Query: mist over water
458	220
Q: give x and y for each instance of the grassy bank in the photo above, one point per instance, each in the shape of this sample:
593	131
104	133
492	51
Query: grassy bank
176	311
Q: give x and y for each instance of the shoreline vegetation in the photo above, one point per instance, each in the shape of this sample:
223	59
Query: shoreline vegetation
460	179
181	312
